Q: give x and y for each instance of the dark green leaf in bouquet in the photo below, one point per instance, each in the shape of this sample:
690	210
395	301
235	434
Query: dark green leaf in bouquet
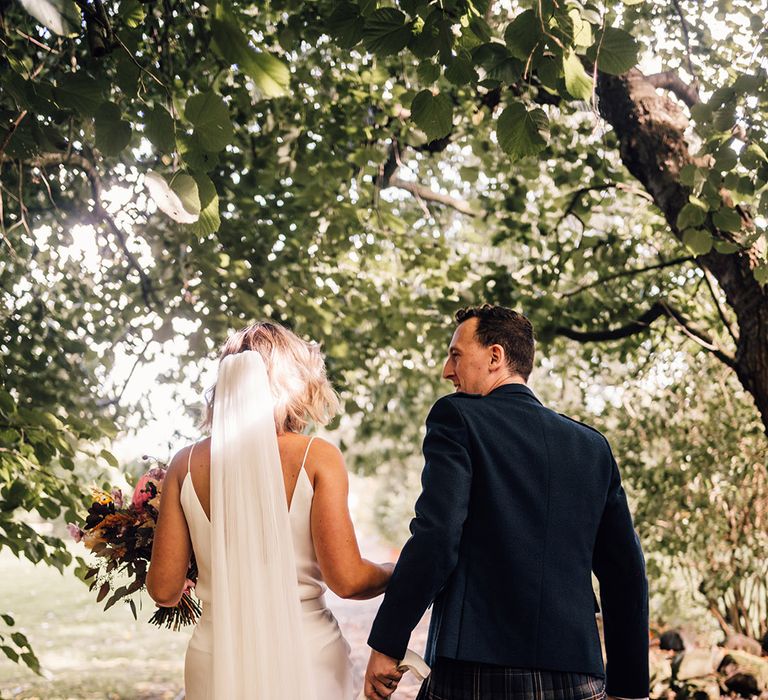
103	592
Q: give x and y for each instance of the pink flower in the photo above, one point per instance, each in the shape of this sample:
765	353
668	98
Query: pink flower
75	532
148	488
117	497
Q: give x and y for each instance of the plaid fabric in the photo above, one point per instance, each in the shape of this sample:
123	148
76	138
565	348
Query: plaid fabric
462	680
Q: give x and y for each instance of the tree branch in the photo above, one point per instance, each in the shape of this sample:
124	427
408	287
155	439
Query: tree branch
686	37
101	215
579	193
387	178
628	273
669	80
642	324
428	195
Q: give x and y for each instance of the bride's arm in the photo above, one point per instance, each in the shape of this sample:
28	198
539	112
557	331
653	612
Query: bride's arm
347	574
172	546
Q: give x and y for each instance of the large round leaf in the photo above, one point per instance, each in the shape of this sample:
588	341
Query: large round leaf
346	25
523	34
159	129
209	220
433	114
577	82
179	200
521	132
269	73
614	51
210	115
112	133
386	31
60	16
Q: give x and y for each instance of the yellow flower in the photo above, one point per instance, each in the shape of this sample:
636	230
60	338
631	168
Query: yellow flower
100	496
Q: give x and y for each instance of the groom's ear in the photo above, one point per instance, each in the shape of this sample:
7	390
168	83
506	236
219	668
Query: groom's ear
498	358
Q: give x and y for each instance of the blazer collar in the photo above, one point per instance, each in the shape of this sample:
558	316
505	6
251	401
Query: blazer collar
520	389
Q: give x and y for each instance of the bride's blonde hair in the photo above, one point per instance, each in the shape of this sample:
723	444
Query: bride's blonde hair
296	370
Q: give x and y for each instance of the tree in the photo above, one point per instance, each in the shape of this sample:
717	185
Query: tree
360	169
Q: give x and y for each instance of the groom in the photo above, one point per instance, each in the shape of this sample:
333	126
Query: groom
519	506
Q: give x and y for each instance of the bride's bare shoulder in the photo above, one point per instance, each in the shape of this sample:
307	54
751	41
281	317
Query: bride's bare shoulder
199	452
326	461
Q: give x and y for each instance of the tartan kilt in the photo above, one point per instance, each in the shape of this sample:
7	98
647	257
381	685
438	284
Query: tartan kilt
463	680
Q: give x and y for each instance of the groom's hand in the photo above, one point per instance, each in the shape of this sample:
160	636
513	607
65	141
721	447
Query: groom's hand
381	676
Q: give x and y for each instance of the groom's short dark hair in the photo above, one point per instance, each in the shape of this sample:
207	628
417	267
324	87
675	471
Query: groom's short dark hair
498	325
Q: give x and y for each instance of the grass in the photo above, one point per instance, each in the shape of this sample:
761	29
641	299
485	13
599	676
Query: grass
85	653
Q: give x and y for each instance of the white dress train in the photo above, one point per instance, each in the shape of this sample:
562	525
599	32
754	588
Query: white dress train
328	650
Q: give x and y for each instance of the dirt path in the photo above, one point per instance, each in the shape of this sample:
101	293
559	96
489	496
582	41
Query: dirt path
355	618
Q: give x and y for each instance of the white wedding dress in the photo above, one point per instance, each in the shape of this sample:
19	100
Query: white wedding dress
328	651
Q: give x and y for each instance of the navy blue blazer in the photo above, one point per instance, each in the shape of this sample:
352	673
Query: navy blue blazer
519	506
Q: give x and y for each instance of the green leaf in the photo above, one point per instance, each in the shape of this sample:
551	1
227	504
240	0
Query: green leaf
60	16
80	92
761	273
433	114
10	653
386	32
113	134
159	129
461	71
109	458
577	82
522	35
7	404
127	75
691	216
521	132
346	25
209	220
8	619
428	72
270	75
727	219
582	30
726	247
698	241
614	51
180	200
132	12
210	115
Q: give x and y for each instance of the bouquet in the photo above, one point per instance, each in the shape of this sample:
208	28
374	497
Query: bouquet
120	534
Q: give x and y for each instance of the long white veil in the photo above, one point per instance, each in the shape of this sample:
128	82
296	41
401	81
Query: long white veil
258	646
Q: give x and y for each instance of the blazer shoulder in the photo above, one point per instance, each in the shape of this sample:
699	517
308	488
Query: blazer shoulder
585	428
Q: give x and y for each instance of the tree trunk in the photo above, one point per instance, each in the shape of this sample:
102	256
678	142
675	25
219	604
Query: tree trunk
651	127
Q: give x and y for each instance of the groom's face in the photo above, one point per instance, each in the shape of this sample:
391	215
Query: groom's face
468	363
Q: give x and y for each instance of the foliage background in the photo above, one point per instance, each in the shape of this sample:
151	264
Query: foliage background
358	170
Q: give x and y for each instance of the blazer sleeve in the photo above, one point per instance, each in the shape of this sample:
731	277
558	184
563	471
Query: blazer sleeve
619	565
431	553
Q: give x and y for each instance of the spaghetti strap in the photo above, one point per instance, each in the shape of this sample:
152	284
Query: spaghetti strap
189	459
306	452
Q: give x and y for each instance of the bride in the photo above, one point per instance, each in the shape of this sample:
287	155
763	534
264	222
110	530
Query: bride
264	509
